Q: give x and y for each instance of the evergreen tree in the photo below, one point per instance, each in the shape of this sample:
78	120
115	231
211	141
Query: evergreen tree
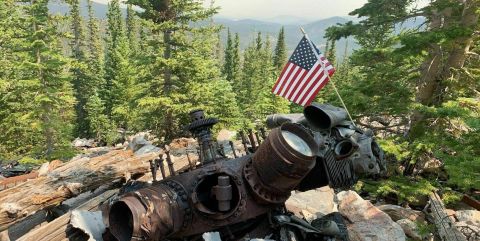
81	83
236	62
332	52
184	58
19	127
258	76
231	67
280	56
100	125
228	62
49	72
132	29
121	87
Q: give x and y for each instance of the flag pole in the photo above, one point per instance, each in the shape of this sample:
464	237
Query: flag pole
325	72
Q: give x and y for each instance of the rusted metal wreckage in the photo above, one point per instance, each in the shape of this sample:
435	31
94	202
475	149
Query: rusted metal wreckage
244	197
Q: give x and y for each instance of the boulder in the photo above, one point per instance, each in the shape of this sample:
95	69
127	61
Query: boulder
471	232
312	204
82	142
137	143
410	228
471	217
397	213
367	222
147	149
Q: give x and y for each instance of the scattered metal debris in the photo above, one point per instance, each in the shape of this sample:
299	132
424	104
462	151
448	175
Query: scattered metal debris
244	197
90	223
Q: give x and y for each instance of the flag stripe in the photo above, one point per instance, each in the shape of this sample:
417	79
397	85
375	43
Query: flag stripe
282	78
307	87
292	76
295	83
317	87
276	83
311	89
305	80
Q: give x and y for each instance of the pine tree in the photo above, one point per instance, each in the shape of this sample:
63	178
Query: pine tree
185	56
132	29
95	49
332	52
101	127
228	62
236	62
231	66
121	87
20	129
280	55
81	82
49	71
116	48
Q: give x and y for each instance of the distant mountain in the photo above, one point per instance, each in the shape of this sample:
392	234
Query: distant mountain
100	9
248	28
288	20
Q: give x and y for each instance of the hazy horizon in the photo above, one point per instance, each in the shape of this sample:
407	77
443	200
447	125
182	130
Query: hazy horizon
266	9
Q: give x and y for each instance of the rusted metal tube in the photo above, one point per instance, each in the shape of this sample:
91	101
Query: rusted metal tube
233	149
163	214
244	141
252	140
281	162
162	168
170	164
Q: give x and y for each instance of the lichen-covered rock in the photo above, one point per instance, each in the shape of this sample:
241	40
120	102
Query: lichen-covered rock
367	222
397	213
410	228
471	217
471	232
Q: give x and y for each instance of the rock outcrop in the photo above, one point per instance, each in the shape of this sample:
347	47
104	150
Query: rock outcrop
367	222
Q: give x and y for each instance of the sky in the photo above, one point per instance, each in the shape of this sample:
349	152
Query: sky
264	9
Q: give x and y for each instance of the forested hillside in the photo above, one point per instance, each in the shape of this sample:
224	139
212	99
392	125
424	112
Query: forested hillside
68	76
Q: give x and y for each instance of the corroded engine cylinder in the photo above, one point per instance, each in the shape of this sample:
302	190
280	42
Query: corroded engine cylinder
280	163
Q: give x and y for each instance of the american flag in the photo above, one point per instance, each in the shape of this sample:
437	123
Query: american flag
303	76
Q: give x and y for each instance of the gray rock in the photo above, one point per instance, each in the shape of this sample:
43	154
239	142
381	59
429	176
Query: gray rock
410	228
397	213
82	142
43	170
137	143
471	232
367	221
471	217
147	149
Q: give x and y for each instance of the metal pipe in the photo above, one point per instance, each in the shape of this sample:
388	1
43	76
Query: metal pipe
170	163
233	149
252	140
162	168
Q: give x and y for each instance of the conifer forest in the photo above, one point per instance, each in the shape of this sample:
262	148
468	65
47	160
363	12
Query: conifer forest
148	63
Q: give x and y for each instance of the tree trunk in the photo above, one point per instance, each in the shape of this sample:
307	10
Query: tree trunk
436	69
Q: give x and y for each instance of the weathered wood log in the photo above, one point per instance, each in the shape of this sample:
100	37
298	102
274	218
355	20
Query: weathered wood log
12	181
79	175
60	228
24	226
445	227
